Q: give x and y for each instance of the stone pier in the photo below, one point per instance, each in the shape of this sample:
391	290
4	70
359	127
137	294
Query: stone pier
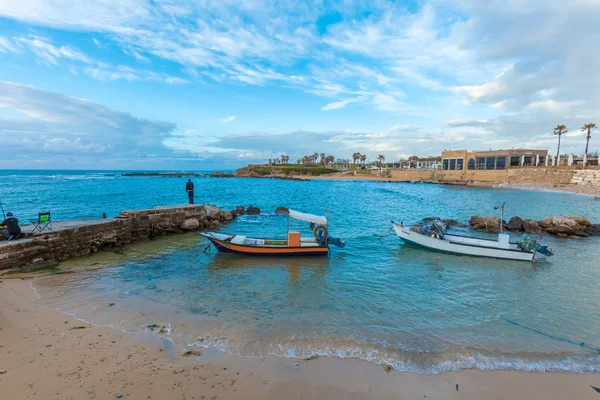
79	238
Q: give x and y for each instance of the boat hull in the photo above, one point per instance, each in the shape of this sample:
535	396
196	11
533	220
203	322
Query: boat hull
456	248
269	251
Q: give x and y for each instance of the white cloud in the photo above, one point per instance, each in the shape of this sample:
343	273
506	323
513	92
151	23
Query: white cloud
106	72
50	53
336	105
6	46
53	125
227	119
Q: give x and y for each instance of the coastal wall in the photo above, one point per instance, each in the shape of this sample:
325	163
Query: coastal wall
92	236
512	175
586	177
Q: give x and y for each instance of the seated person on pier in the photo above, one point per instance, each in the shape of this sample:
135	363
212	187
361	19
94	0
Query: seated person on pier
9	228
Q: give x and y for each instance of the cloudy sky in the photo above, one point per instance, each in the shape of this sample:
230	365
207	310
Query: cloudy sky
165	84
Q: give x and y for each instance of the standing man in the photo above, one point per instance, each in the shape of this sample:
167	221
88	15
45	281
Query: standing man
189	188
9	228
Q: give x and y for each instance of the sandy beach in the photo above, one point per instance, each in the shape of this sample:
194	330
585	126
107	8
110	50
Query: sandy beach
49	355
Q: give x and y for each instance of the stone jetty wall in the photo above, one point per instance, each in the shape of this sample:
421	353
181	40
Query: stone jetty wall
92	236
586	177
552	175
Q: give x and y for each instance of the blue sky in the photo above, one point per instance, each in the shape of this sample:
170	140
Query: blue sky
136	84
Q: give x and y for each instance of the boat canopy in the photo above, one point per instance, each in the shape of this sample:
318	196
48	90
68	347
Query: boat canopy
315	219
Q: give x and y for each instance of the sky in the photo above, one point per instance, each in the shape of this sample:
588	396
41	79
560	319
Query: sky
205	85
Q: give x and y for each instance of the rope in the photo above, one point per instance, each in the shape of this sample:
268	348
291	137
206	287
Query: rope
388	231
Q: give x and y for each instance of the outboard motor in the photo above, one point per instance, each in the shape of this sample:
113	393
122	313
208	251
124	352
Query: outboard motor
324	239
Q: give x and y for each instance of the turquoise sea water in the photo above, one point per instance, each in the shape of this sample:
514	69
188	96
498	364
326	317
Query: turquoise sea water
378	300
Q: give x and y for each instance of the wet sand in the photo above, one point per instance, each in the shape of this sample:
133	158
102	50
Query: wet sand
45	354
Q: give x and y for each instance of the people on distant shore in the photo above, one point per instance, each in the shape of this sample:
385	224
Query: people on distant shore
189	188
9	228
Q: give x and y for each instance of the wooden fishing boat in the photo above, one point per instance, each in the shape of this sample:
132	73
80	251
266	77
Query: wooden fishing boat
294	245
433	236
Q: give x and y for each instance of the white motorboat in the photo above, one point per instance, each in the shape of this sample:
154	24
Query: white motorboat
501	248
433	236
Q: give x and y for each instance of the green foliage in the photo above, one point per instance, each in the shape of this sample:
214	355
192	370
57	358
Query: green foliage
286	169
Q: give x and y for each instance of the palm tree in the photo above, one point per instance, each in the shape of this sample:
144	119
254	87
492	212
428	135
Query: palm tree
363	158
270	161
381	159
322	158
589	128
559	130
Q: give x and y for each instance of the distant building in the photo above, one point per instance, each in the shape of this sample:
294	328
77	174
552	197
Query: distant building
420	163
460	160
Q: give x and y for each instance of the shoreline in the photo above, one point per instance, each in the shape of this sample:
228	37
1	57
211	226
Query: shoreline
587	190
46	354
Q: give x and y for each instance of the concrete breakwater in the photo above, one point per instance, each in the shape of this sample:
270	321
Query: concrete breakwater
79	238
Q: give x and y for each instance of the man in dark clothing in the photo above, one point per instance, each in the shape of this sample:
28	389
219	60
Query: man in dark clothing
9	228
189	188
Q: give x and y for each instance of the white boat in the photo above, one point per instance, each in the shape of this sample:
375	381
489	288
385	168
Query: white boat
501	248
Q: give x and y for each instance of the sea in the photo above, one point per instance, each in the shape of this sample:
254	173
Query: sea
377	299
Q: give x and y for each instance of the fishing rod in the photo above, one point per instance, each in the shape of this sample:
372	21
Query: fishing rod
2	208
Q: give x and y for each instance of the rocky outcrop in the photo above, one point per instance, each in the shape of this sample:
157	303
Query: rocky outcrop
239	210
477	222
281	210
515	224
226	215
191	224
567	226
251	210
531	227
493	223
222	175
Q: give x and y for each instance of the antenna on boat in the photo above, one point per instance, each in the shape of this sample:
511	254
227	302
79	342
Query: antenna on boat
501	207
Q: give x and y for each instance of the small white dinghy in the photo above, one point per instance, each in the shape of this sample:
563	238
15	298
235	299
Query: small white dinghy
433	236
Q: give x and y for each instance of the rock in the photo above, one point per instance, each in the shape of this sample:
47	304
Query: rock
3	371
226	215
449	222
233	213
190	352
515	224
239	210
544	224
190	224
313	357
461	225
221	175
212	213
592	231
251	210
118	395
387	368
492	223
477	222
159	329
532	227
580	234
560	221
561	230
580	220
281	210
